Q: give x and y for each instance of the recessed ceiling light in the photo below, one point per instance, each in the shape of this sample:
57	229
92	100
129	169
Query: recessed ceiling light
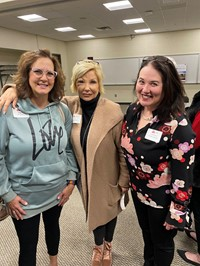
118	5
5	1
65	29
133	21
142	30
87	36
32	18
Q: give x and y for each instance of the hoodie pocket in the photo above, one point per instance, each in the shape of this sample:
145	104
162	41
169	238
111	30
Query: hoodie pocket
46	177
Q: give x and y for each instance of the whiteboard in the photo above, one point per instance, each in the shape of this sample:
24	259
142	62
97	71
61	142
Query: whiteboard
122	71
192	66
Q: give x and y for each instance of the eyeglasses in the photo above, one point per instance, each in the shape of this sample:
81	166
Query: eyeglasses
87	61
39	73
158	58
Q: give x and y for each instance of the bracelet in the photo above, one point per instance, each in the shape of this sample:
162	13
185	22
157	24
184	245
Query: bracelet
73	182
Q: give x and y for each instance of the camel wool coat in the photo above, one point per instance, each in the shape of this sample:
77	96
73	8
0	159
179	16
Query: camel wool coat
106	169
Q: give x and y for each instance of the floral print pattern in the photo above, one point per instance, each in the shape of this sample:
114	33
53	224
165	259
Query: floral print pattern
160	171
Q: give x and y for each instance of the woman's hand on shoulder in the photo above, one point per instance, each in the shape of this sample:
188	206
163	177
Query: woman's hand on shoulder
9	96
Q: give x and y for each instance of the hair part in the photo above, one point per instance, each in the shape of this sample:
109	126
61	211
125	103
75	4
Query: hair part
21	78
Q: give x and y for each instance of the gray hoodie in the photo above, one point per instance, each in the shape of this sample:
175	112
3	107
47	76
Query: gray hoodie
36	157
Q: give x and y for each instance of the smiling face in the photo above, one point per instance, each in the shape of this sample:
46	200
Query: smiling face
149	87
41	84
88	86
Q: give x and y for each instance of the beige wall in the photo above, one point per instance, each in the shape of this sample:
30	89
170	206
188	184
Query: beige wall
183	42
14	43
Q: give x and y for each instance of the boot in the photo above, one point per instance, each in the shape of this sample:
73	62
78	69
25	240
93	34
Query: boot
97	256
107	254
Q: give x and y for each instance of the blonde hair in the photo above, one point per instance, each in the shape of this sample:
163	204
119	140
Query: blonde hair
81	68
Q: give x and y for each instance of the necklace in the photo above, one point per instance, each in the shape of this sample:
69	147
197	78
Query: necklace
147	118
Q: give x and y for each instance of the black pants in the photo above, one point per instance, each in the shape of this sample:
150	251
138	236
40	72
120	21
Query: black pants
195	207
158	242
105	232
28	232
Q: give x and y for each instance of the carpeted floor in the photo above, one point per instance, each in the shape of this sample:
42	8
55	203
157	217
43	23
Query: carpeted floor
76	243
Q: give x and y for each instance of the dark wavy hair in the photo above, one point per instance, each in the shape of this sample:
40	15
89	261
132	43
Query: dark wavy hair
21	78
172	103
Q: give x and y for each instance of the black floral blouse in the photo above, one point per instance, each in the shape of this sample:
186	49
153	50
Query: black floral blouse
160	159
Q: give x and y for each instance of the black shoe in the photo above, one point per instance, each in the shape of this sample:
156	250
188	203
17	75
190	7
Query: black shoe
188	233
181	253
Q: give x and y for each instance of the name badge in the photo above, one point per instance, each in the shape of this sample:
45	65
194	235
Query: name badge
153	135
76	119
17	113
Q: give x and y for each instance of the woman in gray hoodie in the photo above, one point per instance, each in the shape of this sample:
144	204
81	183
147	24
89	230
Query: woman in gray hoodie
37	165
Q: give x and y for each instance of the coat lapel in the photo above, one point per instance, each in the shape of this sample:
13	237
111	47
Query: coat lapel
97	132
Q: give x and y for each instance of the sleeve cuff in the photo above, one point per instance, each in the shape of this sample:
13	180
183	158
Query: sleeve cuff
179	216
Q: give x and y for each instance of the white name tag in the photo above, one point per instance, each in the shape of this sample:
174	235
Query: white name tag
153	135
76	119
19	114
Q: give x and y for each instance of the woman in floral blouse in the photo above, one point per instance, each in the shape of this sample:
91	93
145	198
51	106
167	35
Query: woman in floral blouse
158	145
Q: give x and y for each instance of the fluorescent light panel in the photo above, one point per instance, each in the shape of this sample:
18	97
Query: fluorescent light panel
65	29
32	18
87	36
112	6
5	1
133	21
142	30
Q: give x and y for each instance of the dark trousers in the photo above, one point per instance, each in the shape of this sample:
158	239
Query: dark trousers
195	207
158	242
28	232
105	232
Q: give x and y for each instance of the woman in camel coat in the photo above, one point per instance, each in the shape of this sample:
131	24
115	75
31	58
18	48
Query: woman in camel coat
95	136
106	170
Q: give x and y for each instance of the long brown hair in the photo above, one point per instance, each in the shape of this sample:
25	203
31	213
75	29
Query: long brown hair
172	103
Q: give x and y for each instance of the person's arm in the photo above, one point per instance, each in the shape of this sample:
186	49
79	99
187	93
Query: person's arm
196	129
182	161
8	96
13	201
71	161
124	177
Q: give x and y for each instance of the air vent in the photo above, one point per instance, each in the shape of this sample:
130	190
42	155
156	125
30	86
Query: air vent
103	28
